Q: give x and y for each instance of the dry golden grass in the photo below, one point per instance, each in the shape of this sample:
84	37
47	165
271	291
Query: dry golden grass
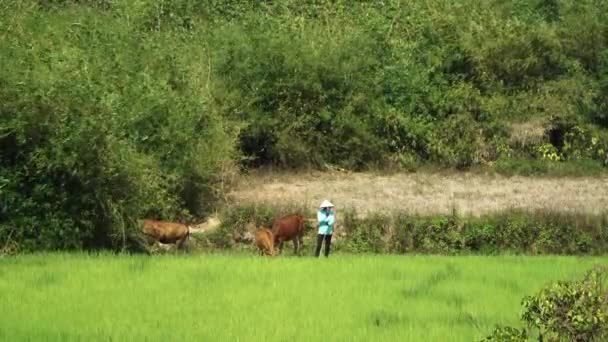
467	193
528	133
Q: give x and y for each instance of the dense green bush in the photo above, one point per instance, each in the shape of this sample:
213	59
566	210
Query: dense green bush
368	235
304	102
358	84
371	84
513	231
573	311
100	127
565	311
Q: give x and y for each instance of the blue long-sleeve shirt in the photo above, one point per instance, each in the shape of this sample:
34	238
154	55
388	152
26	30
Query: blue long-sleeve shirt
326	222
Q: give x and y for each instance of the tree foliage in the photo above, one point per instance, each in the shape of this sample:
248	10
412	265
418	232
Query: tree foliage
112	110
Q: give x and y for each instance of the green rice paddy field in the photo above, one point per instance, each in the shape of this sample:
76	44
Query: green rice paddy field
65	297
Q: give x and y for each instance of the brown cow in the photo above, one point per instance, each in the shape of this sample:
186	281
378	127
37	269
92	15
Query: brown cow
265	241
167	232
290	227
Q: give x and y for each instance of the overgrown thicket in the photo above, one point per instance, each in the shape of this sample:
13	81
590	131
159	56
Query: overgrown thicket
112	110
392	83
363	84
509	231
101	123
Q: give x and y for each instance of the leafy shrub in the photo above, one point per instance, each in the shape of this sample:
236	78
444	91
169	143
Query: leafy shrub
507	334
570	310
366	235
564	311
514	231
99	128
440	234
301	105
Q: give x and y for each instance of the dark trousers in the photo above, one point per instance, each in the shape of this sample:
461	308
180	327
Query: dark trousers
320	238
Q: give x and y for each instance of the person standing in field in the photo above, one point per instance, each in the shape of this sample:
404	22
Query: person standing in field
325	218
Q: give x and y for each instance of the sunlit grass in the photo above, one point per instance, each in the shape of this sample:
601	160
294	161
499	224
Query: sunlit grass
217	297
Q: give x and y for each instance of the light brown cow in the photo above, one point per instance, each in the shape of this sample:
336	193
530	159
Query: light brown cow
265	241
167	232
290	227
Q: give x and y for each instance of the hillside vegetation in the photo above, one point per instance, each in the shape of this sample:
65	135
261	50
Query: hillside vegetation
115	110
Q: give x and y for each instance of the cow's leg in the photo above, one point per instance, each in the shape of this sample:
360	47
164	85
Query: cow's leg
296	245
300	242
181	243
280	246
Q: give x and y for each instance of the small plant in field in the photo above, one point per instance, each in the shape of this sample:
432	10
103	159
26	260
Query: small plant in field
549	152
507	334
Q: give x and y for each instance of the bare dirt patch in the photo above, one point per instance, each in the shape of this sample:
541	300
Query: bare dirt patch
467	193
